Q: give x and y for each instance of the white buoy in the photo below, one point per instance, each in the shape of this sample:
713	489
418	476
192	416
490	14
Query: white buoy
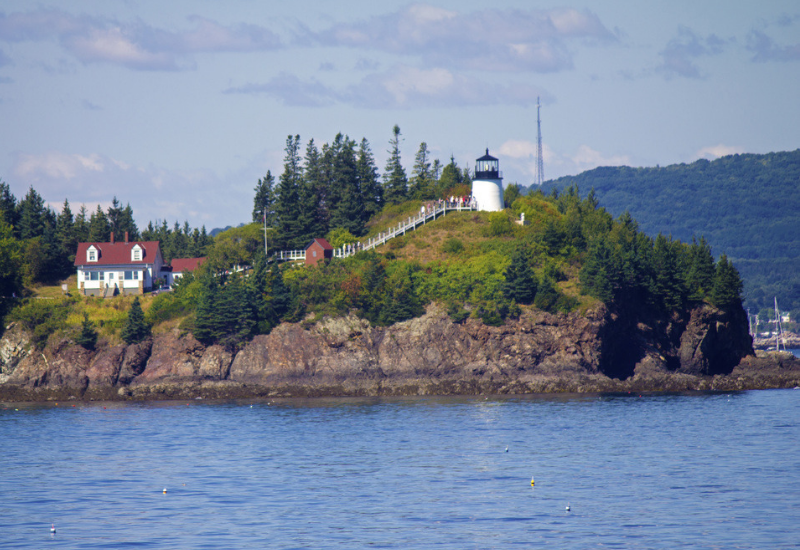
506	448
53	528
568	508
165	490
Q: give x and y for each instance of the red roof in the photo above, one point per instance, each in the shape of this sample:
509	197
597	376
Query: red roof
186	264
118	253
322	242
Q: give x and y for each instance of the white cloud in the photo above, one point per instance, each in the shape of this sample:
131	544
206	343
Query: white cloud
488	40
135	45
716	151
400	87
587	158
55	164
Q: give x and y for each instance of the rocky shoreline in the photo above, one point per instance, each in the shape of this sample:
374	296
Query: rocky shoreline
598	351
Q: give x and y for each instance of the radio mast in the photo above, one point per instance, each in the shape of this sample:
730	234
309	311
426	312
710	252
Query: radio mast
539	176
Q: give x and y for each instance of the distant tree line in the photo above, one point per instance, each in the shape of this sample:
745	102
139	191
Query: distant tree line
746	205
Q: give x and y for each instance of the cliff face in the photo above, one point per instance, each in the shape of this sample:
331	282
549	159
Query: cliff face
430	354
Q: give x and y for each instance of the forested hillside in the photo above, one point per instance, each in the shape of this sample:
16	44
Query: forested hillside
746	206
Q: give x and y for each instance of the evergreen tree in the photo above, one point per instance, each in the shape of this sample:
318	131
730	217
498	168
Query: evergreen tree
264	200
280	295
65	233
520	284
135	329
726	292
451	176
546	295
87	338
8	205
700	274
669	288
422	184
127	224
395	182
10	264
81	226
368	181
32	215
99	229
114	217
287	205
206	328
313	195
349	209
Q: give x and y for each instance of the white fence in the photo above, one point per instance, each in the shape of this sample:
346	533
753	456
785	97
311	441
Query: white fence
436	210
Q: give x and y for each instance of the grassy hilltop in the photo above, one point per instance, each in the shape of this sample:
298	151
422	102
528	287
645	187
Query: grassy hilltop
569	257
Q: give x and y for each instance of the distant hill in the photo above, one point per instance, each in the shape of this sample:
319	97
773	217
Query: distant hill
746	206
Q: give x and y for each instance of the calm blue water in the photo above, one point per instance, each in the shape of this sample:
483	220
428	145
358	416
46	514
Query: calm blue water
690	471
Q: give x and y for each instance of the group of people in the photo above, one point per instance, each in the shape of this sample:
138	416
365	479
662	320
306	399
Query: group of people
454	202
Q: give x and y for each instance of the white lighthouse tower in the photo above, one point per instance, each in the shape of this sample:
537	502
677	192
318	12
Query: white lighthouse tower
487	187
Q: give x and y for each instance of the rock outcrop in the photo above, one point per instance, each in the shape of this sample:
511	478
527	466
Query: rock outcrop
539	352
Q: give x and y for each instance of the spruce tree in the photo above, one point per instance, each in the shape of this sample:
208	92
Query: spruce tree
349	208
726	292
264	200
87	338
32	217
99	229
136	328
81	226
8	205
520	284
422	184
287	204
368	181
395	182
114	216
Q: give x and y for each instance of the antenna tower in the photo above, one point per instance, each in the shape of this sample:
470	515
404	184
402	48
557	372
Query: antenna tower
539	176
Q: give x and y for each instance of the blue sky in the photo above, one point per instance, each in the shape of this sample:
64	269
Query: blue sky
180	107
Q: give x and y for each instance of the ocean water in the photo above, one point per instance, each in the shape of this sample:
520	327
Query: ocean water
666	471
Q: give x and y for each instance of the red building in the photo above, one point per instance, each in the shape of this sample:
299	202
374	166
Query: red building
317	250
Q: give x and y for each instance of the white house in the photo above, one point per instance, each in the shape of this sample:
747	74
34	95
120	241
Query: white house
180	266
106	269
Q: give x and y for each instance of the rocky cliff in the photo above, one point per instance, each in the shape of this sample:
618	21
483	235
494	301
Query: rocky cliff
539	352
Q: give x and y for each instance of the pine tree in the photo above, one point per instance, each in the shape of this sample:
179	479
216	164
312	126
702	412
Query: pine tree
368	181
87	338
206	328
264	200
32	215
81	226
65	232
395	182
136	328
422	185
99	229
349	209
312	213
10	264
700	274
114	217
288	197
520	284
451	176
726	292
8	205
127	224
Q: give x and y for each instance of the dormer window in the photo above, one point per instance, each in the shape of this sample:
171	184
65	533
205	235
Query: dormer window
91	254
136	253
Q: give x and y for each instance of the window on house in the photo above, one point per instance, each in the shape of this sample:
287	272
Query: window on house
86	276
110	276
131	275
92	256
137	254
95	276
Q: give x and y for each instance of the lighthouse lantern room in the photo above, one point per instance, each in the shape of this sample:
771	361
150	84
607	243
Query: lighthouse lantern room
487	187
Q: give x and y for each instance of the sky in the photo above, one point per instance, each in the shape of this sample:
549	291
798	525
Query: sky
179	107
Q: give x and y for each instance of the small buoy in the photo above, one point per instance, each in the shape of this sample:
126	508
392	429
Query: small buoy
165	490
568	508
531	482
53	528
506	448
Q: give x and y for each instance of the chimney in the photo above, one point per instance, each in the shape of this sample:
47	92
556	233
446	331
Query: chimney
126	237
112	237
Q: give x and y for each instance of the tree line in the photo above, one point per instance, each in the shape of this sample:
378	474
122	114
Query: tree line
339	186
747	205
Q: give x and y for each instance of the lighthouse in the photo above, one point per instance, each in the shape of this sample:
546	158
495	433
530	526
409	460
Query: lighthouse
487	187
